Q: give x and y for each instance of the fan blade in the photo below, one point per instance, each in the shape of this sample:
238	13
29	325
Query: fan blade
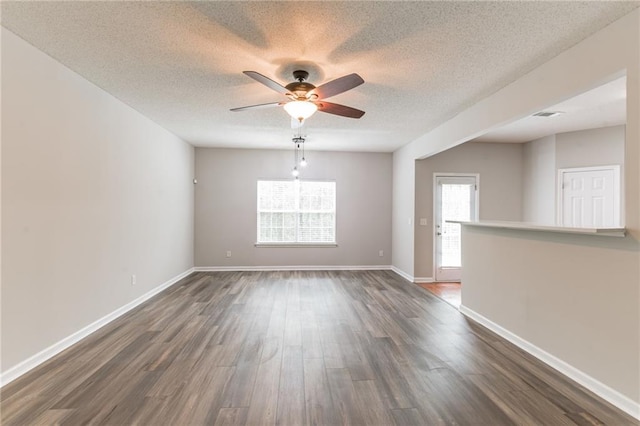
338	109
261	106
267	82
337	86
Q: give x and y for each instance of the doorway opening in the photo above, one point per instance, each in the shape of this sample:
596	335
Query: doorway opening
449	292
456	199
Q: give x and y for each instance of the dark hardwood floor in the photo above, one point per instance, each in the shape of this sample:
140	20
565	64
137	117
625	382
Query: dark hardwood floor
297	348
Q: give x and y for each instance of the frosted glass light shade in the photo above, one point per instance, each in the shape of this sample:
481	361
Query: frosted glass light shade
300	110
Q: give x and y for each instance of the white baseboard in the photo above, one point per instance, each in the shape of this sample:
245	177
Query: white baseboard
423	280
293	268
37	359
402	273
621	401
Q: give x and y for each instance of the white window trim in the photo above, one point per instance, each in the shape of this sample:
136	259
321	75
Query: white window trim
333	244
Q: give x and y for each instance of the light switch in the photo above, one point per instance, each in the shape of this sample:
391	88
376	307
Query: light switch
423	221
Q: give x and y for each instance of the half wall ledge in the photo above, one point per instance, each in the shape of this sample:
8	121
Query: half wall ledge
606	232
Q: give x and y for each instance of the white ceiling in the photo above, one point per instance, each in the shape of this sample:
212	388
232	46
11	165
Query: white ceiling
602	106
181	63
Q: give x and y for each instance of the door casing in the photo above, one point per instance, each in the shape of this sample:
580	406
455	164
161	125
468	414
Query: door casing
434	230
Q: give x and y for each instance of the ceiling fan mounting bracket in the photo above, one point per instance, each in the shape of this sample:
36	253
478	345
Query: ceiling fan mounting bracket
300	75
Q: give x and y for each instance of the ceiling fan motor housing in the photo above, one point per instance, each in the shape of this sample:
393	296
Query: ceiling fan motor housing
300	87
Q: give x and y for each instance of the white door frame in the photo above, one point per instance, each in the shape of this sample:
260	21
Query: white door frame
617	204
436	175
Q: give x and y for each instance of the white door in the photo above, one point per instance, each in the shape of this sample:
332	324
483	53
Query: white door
590	197
455	199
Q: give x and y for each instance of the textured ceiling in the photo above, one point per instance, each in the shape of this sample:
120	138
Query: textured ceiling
181	63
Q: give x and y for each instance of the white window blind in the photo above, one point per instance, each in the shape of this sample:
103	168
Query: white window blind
296	211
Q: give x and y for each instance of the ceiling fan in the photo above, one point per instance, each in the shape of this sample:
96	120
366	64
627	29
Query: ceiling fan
305	98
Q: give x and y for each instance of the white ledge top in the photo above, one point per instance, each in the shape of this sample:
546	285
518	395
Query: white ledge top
609	232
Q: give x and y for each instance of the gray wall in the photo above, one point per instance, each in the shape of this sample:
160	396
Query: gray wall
92	192
544	157
403	230
581	306
225	207
594	147
539	181
500	169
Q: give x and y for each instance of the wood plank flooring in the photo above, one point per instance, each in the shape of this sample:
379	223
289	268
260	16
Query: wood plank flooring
298	348
449	292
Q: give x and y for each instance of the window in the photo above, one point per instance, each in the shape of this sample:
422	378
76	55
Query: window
296	211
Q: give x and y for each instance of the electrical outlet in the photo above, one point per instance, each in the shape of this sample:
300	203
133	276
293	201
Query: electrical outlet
423	221
228	253
381	253
133	280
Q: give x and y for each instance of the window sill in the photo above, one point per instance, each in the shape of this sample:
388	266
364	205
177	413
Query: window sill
296	245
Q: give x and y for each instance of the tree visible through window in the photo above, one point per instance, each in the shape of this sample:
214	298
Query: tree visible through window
296	211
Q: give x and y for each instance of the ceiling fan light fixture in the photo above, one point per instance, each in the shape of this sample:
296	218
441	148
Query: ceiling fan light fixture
300	110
